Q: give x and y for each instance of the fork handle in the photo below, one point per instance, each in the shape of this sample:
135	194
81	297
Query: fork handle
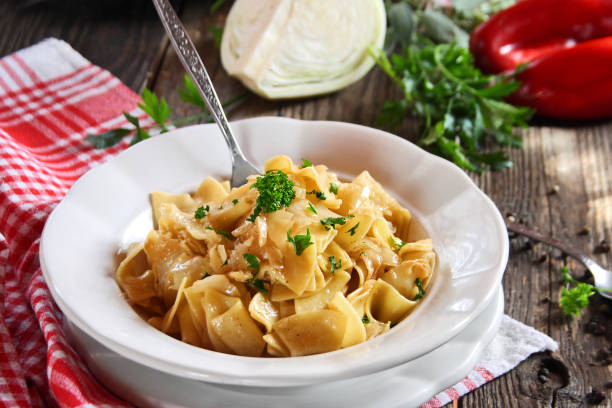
526	231
194	66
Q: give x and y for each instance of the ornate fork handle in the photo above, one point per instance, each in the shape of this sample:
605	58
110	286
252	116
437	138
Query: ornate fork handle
193	64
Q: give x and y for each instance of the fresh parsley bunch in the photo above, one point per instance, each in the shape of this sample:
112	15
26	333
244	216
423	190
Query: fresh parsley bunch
460	109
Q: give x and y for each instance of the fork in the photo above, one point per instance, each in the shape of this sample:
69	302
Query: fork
187	53
602	276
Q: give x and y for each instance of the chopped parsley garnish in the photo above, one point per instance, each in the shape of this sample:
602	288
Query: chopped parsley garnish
362	253
252	260
330	222
300	242
226	261
396	244
334	264
201	212
353	229
306	163
393	324
421	293
235	201
275	191
311	208
333	188
221	232
258	284
256	212
320	195
220	207
365	319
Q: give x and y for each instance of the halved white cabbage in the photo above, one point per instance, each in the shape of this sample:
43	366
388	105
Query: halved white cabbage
296	48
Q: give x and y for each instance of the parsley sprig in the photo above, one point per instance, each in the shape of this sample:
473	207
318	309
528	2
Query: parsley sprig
331	222
333	188
577	298
201	212
461	111
421	292
275	191
159	111
334	264
222	233
253	263
458	108
300	242
319	194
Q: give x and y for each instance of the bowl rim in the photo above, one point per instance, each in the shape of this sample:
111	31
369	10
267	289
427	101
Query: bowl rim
281	377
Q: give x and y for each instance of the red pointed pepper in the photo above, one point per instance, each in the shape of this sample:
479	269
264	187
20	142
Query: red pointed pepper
568	47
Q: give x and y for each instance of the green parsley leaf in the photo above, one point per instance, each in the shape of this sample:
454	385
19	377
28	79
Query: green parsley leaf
393	324
320	195
140	134
275	191
421	293
306	163
190	94
217	33
311	208
365	319
330	222
396	244
201	212
334	264
353	229
225	234
256	212
252	260
258	284
235	201
226	261
333	188
300	242
108	138
157	109
132	119
221	232
576	299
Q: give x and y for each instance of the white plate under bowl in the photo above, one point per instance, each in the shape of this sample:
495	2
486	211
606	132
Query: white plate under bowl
108	207
408	385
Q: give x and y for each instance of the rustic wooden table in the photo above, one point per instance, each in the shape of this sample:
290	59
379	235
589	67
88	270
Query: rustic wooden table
561	182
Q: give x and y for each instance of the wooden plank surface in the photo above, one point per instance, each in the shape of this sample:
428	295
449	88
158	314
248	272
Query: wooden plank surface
574	160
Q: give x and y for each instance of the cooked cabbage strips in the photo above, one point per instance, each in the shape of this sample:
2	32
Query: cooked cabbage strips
296	48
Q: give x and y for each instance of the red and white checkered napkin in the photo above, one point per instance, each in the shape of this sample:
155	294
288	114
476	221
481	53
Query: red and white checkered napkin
50	98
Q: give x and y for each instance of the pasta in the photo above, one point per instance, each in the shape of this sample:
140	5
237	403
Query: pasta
293	263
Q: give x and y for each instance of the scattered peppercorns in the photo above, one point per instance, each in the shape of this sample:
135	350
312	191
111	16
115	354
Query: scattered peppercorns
602	247
595	397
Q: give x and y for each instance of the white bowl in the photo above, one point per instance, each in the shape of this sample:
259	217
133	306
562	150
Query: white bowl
407	385
108	208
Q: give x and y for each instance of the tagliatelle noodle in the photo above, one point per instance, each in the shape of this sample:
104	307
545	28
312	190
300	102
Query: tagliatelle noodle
216	276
